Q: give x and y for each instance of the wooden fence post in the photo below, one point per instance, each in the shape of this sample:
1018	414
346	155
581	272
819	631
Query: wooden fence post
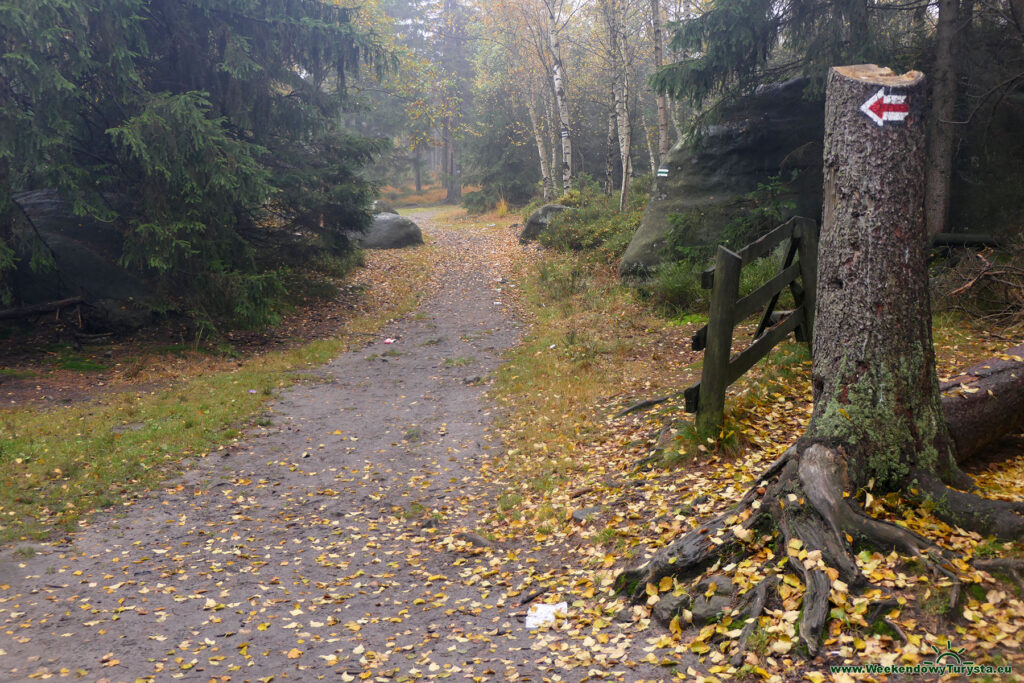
714	380
807	230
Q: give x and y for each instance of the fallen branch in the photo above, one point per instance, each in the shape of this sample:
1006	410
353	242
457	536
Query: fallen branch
34	309
643	405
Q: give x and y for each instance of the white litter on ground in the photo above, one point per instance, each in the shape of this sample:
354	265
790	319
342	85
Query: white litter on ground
543	614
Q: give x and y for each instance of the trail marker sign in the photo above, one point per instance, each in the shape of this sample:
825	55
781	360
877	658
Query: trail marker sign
885	108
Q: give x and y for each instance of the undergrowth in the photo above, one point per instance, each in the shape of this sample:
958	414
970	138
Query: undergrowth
594	226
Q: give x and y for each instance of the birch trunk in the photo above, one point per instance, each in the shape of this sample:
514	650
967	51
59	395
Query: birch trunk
559	84
654	158
620	91
556	180
542	152
610	153
659	61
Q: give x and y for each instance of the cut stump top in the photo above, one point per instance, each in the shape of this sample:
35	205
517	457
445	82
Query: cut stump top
879	75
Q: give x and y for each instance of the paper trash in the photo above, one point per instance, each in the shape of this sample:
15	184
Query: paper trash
543	614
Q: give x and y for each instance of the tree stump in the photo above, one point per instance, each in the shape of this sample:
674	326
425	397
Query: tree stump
877	417
875	386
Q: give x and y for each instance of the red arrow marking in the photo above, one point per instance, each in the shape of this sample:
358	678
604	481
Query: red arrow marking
880	107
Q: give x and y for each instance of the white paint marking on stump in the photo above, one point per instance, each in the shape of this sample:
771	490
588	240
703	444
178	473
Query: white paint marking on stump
881	107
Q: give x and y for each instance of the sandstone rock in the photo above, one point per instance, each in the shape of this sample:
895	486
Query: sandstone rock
383	206
86	252
583	515
773	132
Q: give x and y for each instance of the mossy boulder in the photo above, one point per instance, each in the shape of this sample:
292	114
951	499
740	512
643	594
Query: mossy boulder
539	221
391	231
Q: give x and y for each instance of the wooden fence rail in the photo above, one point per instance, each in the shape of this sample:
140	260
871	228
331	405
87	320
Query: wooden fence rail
728	309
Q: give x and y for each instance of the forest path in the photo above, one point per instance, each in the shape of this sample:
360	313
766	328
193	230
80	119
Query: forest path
337	542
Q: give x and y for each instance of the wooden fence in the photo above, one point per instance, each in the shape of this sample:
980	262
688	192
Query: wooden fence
707	398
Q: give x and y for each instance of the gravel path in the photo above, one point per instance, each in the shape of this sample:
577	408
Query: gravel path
337	543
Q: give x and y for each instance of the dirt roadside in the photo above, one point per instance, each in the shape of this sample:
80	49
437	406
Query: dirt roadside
337	542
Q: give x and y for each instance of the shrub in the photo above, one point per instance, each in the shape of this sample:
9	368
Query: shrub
589	228
480	201
675	288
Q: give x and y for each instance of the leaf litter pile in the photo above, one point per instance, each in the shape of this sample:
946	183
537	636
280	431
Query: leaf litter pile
383	529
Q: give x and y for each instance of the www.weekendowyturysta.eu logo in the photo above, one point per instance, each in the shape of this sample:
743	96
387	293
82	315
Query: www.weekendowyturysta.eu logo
946	662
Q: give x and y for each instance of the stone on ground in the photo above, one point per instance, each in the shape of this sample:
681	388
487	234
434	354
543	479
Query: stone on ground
391	231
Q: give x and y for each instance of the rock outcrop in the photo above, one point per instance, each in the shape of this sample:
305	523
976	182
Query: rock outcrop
776	131
538	221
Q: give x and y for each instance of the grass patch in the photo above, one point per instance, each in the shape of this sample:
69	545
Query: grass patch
79	363
11	373
590	340
59	465
458	361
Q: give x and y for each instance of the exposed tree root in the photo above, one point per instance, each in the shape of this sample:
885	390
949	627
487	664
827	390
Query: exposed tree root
755	605
803	494
999	518
644	405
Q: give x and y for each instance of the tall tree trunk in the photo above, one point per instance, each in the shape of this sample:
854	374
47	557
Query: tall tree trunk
453	38
6	230
674	115
877	412
446	156
417	166
651	156
941	130
542	152
659	60
873	356
620	92
610	153
556	143
558	81
454	177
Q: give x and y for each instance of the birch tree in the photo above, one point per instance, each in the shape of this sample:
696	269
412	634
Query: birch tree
555	9
611	11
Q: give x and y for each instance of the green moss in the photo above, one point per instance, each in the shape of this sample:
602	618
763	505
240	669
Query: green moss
871	414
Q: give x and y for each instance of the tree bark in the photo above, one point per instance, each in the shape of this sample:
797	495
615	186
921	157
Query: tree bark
559	84
609	159
874	379
542	152
985	402
453	45
651	156
620	92
941	130
556	179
